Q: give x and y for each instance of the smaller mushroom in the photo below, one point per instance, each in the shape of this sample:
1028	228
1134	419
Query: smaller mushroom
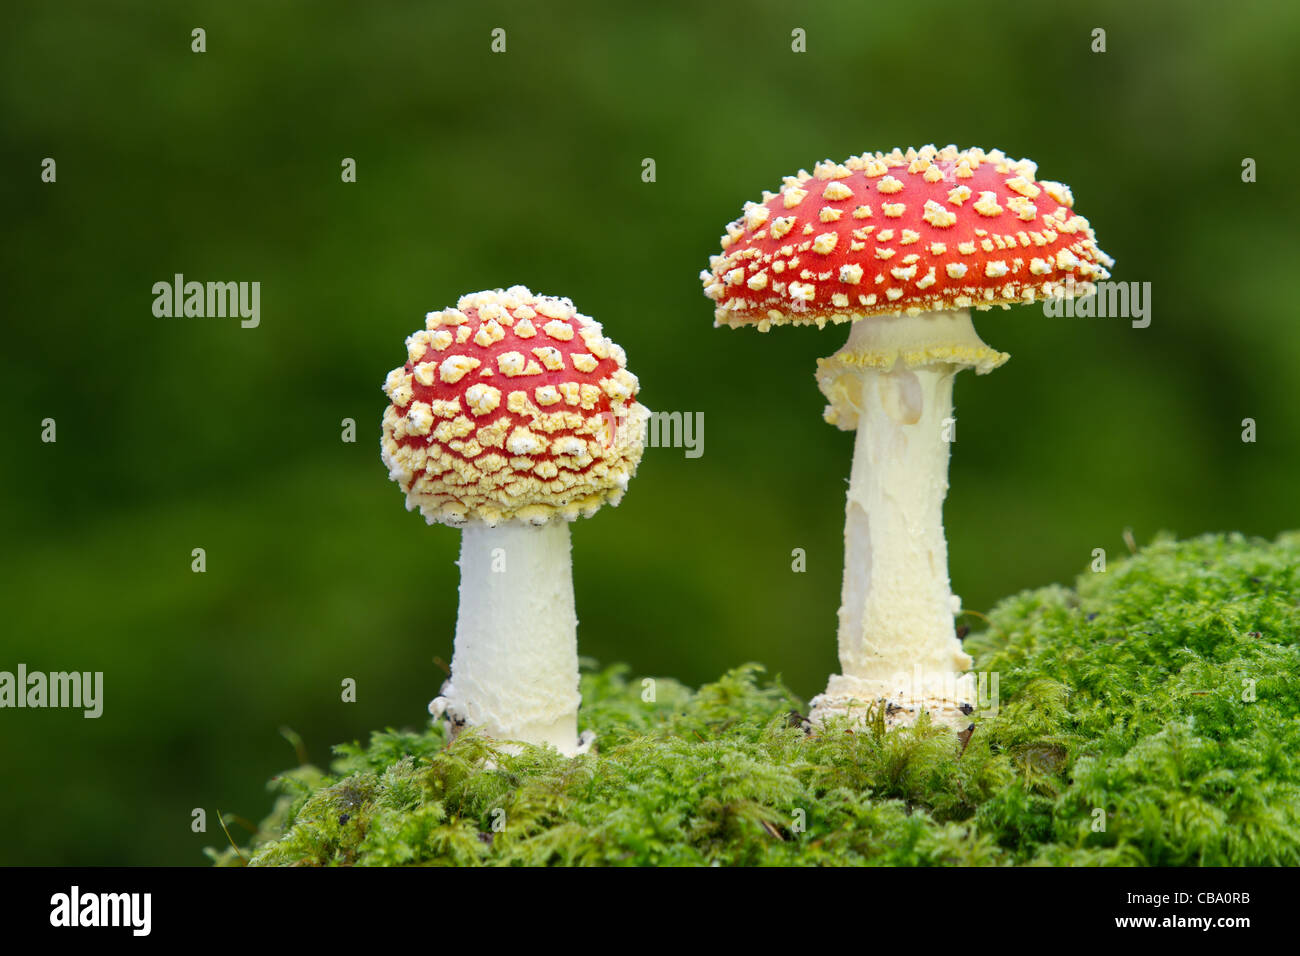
513	416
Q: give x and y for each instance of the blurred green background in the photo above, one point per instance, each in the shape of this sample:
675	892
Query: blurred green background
478	170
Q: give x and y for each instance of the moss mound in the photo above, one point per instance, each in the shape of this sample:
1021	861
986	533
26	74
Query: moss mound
1151	716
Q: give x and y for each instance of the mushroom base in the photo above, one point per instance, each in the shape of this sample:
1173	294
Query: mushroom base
514	671
948	702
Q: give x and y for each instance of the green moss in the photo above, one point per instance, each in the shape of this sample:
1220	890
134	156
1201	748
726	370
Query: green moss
1128	695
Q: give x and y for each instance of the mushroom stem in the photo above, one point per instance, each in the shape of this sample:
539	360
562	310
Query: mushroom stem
514	670
897	642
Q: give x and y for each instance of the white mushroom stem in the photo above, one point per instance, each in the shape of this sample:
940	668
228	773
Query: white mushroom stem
897	641
514	670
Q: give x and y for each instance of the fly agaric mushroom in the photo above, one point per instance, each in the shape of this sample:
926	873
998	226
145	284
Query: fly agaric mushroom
512	416
903	245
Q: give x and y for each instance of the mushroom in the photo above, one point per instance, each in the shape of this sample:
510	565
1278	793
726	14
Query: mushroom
512	416
902	245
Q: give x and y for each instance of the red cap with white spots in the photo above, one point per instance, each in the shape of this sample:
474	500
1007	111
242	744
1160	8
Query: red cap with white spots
924	230
512	406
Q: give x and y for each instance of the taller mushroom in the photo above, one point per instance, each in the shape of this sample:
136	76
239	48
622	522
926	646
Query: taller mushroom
513	416
902	245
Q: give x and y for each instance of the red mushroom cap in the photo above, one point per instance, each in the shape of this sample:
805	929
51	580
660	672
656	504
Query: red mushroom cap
887	233
512	406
